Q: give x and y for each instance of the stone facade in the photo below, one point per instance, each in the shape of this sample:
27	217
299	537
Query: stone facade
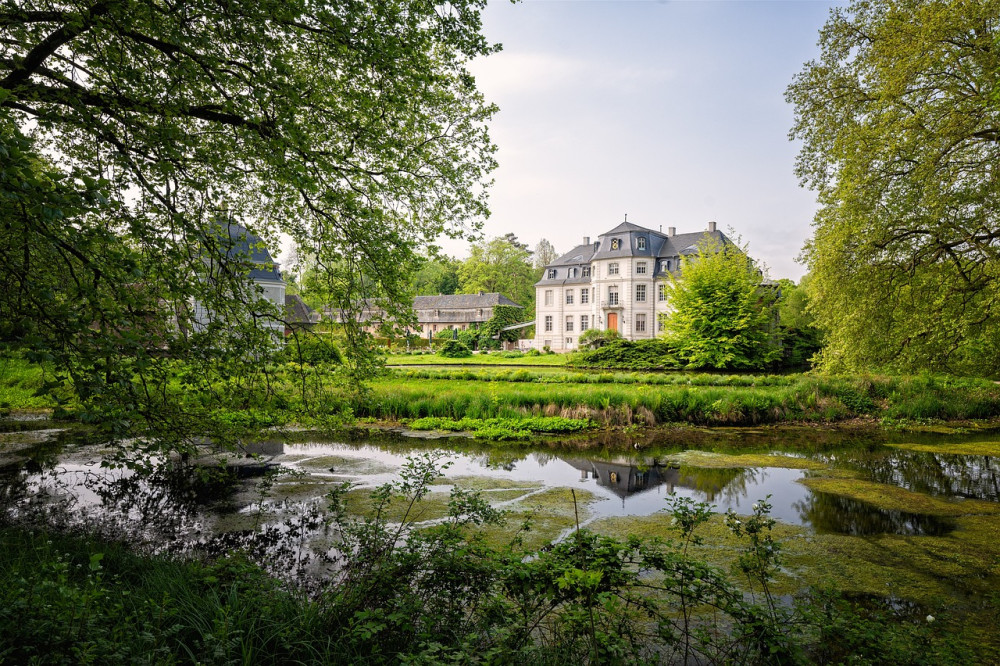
614	283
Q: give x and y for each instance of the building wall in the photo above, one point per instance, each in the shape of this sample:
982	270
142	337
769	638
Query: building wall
598	306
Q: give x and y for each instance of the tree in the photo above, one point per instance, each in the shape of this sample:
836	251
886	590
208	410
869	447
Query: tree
721	314
500	266
900	124
545	254
800	339
354	127
436	276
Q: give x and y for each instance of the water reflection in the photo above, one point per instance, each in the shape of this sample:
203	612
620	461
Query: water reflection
832	514
940	474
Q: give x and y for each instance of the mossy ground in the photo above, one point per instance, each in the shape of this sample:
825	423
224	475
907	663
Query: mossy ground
347	465
721	460
954	448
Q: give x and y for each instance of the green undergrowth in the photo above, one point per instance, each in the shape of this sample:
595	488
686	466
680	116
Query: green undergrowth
85	600
503	429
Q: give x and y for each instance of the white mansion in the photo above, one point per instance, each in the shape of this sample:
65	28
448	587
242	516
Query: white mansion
616	283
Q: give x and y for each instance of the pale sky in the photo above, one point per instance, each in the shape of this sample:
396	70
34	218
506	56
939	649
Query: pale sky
671	112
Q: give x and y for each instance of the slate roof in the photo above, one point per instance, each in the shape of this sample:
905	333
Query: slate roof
461	301
296	310
657	246
244	245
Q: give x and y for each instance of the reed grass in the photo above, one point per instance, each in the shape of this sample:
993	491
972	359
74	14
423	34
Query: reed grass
739	401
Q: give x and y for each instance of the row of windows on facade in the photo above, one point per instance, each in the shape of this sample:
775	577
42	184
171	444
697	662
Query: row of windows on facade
640	269
640	295
640	323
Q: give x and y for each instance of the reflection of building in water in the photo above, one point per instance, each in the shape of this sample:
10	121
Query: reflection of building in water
628	477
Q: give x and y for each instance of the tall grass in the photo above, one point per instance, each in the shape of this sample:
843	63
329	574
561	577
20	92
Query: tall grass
733	401
20	383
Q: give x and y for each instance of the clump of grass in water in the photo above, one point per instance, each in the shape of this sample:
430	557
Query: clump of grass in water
503	429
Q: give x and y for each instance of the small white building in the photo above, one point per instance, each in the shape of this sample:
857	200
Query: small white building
615	283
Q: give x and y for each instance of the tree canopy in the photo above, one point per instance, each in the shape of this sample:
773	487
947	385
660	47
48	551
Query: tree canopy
721	314
437	275
128	126
545	254
500	265
900	123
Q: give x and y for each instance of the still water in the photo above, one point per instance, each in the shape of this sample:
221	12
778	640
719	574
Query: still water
58	476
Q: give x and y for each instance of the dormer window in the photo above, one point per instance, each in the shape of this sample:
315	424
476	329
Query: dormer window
552	274
586	271
615	243
641	243
664	266
572	272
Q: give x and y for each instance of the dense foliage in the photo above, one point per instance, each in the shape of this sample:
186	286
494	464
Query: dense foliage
722	314
898	118
129	128
500	265
454	349
639	355
402	591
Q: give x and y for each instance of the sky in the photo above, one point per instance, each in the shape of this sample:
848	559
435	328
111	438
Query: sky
670	112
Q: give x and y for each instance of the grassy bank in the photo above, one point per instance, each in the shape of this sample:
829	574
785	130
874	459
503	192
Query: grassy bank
717	401
493	358
601	398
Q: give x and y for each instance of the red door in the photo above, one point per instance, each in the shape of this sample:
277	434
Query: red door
612	321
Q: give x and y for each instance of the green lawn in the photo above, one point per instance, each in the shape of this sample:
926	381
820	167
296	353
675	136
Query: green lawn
493	358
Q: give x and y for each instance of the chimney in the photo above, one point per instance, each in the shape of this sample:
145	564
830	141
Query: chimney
671	231
586	240
711	225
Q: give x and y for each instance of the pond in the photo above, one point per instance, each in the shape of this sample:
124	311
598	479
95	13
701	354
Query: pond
876	505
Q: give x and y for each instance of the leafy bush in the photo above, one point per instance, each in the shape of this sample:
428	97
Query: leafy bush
639	355
595	337
454	349
311	350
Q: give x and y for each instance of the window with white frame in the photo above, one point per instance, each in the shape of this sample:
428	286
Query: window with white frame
641	243
548	323
659	323
640	323
612	295
640	293
584	322
552	273
586	271
569	341
661	292
613	268
548	297
569	297
569	324
640	268
584	296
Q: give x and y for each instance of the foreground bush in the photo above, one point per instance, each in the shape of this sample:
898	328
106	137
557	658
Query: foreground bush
401	591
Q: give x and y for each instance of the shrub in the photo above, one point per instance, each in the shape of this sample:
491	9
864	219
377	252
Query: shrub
639	355
454	349
311	349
